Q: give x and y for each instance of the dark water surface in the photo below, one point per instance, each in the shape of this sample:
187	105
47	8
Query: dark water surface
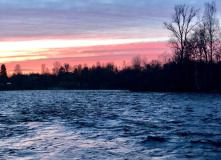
109	125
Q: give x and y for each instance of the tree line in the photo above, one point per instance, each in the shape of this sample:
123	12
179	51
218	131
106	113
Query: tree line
194	67
139	76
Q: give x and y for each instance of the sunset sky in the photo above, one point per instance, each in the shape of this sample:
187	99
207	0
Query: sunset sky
33	32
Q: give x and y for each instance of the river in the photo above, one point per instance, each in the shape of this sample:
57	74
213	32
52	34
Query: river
109	125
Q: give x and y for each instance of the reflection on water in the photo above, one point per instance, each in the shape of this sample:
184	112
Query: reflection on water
109	125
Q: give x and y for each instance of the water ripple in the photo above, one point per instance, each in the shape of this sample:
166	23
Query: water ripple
109	125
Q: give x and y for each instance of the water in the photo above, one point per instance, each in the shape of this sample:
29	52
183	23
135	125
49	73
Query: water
109	125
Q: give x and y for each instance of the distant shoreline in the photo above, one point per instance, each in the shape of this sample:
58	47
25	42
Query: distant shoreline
189	76
208	92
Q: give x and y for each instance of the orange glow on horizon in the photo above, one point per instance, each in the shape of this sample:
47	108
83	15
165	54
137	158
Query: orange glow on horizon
31	54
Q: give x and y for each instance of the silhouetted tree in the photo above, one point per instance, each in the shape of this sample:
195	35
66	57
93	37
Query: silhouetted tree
218	56
43	69
56	67
110	67
199	42
17	69
61	70
79	68
212	27
124	65
136	63
3	72
181	25
47	71
164	57
98	64
189	76
155	63
67	67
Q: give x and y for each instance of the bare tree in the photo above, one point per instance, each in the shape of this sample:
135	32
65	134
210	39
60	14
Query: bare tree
155	63
17	69
136	62
43	69
110	66
181	25
218	56
47	71
199	40
98	64
164	57
79	68
124	64
212	27
67	67
56	67
61	70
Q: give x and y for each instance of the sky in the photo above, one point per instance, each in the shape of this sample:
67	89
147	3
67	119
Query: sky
35	32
